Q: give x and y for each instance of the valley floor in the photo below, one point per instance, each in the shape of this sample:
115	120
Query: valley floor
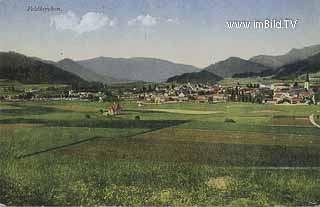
68	153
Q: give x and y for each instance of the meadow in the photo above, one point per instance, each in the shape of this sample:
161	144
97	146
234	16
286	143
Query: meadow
69	153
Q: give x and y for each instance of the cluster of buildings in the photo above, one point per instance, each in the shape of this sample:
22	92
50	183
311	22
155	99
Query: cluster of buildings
293	94
181	93
277	93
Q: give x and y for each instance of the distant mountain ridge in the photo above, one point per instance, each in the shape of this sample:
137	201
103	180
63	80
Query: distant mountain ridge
235	65
292	56
289	71
295	62
85	73
98	69
293	70
15	66
136	69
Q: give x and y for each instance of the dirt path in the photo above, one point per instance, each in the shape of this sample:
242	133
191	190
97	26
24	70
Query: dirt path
265	111
311	118
277	168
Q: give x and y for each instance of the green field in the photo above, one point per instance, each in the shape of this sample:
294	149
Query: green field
68	153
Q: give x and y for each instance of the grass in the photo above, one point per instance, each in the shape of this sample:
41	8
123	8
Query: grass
176	135
68	153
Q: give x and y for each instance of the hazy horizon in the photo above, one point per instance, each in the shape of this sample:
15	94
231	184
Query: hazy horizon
188	32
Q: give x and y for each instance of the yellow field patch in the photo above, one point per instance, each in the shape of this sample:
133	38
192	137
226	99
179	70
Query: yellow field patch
220	183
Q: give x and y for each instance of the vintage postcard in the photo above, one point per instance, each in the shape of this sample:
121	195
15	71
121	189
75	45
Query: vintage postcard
159	103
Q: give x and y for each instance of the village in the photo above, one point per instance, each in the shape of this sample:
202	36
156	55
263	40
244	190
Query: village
276	93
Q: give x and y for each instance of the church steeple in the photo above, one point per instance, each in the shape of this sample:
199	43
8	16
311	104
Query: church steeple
307	82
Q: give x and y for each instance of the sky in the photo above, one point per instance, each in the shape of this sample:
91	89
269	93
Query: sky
184	31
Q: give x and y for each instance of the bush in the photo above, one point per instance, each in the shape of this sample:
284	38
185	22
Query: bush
137	118
88	116
228	120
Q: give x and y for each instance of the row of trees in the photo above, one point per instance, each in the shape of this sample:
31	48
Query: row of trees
234	94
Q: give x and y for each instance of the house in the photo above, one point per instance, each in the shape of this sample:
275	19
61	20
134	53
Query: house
201	99
157	99
217	98
295	100
114	109
182	97
269	101
282	97
306	94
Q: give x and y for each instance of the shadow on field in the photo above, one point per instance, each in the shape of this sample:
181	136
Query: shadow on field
151	124
57	147
29	110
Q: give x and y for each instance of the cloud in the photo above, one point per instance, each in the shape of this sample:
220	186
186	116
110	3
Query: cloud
91	21
148	20
113	22
65	21
173	21
143	20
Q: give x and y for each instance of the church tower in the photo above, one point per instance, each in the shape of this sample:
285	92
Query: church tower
307	82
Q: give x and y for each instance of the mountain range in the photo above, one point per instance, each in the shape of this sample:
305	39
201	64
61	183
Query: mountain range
136	69
230	67
26	69
14	66
292	56
293	70
235	65
85	73
110	70
290	65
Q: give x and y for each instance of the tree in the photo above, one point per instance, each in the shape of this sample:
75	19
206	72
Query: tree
317	97
242	96
258	98
144	89
250	98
